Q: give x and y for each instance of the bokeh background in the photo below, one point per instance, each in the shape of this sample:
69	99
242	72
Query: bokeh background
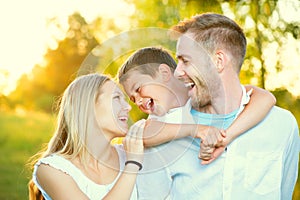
45	44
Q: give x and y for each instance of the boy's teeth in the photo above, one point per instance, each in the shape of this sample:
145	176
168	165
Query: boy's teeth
149	104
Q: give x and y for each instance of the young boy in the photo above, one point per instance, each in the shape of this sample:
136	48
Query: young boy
147	78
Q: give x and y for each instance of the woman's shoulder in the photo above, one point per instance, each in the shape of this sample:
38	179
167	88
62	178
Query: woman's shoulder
58	162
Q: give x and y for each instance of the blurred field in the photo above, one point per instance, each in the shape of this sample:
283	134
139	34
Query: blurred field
22	135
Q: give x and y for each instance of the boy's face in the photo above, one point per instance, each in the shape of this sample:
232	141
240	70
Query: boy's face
151	95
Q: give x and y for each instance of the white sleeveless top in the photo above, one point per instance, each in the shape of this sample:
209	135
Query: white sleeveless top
91	189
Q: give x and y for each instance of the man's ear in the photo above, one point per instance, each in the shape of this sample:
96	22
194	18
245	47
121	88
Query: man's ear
220	60
165	72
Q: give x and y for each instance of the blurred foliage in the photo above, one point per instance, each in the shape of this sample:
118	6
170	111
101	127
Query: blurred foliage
48	81
102	46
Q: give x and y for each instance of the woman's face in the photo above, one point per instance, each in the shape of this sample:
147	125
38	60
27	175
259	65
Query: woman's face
112	110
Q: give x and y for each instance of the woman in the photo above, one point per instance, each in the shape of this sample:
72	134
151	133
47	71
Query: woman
80	162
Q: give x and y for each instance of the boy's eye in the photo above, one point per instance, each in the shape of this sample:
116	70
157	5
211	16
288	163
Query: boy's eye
138	89
132	99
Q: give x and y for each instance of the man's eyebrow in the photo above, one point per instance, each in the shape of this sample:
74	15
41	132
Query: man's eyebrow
181	56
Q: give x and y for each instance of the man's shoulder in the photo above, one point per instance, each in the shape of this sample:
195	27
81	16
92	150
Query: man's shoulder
284	115
278	122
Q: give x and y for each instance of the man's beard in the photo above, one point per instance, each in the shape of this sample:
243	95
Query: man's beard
202	98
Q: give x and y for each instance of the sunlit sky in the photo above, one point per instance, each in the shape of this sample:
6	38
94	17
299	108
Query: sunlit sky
24	37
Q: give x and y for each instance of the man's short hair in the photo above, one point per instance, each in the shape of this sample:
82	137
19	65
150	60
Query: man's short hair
213	31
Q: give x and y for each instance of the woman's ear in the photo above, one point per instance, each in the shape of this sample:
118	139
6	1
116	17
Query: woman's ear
220	60
165	72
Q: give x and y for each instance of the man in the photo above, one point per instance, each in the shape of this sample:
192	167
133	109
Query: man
172	169
261	163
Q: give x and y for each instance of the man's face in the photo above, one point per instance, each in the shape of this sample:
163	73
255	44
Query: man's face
151	95
196	69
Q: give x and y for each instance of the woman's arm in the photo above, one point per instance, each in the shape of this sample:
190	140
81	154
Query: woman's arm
58	184
133	145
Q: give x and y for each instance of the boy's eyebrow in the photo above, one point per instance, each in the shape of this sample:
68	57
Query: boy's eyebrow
133	86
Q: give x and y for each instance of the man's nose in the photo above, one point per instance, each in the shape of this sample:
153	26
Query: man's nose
178	71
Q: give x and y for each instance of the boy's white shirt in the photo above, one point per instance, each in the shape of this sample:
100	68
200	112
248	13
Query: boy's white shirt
182	115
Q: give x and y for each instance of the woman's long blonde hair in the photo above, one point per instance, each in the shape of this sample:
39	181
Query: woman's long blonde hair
74	117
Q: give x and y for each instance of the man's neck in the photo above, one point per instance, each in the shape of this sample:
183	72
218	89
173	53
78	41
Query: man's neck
227	101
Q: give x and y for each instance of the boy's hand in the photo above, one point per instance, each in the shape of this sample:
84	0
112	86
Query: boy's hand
212	144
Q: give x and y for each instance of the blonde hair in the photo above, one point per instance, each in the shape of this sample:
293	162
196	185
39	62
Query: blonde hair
74	118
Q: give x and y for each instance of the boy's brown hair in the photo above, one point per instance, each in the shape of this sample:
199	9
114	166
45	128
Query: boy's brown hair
146	61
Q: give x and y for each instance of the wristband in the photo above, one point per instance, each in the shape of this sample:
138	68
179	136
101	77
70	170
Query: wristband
134	162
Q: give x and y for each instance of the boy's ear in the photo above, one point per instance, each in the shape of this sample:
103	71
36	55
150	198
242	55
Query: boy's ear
165	72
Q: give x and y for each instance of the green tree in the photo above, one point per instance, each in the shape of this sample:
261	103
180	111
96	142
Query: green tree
48	81
264	26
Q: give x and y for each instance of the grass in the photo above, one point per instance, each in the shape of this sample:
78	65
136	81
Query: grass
22	135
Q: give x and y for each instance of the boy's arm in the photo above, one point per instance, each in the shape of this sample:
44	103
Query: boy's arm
157	132
256	110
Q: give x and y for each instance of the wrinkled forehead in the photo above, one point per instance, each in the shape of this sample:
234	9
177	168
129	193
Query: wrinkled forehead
186	42
188	38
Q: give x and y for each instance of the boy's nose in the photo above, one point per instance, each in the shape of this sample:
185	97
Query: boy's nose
139	101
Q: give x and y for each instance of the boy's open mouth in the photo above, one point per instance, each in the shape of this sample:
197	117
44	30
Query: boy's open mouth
149	105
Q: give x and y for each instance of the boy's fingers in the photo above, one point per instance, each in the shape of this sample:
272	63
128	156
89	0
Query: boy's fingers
206	162
223	133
